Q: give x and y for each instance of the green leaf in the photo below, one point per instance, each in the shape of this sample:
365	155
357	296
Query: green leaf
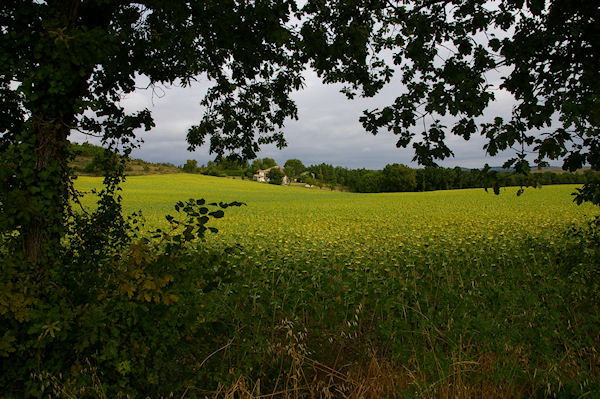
217	214
203	220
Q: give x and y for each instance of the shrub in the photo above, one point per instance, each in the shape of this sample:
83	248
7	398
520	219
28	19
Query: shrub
115	300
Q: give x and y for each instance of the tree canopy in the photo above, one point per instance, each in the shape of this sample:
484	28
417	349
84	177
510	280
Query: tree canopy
263	163
293	168
275	176
445	52
399	178
190	166
65	65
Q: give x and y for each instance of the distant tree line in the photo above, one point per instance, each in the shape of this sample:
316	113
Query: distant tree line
229	167
392	178
89	159
87	150
400	178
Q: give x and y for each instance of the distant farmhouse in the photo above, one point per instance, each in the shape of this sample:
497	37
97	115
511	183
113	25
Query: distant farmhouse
261	175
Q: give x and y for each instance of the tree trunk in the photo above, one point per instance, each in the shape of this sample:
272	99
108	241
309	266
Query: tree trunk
47	193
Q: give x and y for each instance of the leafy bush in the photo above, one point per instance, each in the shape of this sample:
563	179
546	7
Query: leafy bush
129	306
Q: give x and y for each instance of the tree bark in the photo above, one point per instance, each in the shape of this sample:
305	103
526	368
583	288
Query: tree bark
48	192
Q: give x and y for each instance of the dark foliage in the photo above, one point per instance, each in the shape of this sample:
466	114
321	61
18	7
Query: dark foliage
275	176
399	178
444	52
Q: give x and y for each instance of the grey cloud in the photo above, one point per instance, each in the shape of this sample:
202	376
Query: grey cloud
328	129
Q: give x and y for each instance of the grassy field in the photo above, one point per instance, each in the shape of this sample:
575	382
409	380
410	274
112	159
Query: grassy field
439	294
298	220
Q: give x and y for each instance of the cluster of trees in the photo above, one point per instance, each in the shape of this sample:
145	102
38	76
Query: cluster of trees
228	167
235	167
87	150
392	178
223	167
400	178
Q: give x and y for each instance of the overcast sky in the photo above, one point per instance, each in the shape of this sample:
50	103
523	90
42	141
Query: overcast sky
327	130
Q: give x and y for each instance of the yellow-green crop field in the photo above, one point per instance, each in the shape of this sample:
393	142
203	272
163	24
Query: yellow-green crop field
448	288
360	228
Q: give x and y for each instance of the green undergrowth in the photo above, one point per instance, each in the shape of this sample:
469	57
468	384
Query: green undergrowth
527	323
189	322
